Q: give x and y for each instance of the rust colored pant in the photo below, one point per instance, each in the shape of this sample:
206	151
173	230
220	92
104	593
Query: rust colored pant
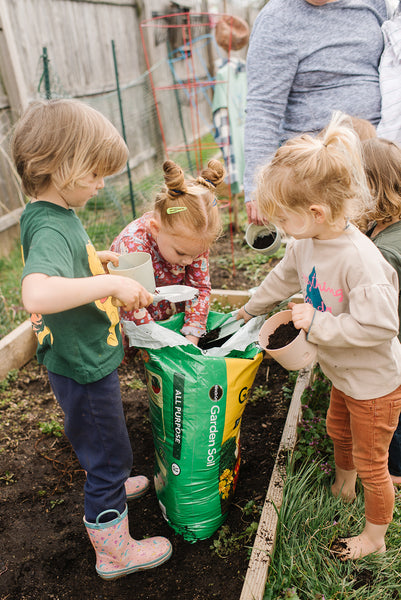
361	431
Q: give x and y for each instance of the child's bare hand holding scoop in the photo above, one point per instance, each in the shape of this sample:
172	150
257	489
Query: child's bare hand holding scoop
129	293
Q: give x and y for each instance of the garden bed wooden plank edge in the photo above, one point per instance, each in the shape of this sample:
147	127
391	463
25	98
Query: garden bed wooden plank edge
256	575
17	348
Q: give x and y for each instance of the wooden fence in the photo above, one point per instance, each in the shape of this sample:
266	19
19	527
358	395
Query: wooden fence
77	35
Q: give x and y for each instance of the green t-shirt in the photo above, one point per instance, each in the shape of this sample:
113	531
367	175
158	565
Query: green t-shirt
82	343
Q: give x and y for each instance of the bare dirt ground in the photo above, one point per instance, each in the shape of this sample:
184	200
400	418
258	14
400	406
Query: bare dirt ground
45	553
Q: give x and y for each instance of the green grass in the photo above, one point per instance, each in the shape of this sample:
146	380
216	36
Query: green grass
12	312
310	518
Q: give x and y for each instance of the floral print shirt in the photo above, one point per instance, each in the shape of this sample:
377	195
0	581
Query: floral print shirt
136	237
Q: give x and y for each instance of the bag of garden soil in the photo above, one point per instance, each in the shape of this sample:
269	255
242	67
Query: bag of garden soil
197	398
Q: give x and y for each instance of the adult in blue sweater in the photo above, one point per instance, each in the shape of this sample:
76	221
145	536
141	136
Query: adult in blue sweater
307	58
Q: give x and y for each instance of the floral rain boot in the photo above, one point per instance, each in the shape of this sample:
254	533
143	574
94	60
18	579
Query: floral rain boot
118	554
135	487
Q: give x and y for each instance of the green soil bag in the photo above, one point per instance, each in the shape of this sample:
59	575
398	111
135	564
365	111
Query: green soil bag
197	398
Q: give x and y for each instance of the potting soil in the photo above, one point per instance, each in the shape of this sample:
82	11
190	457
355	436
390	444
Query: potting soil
263	241
282	336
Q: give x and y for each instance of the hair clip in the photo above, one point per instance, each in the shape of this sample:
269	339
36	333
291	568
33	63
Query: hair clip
176	192
214	203
209	181
175	209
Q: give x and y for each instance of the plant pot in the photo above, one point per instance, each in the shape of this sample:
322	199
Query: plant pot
138	266
297	354
265	239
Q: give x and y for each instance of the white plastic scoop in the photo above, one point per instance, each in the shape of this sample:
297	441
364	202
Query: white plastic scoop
172	293
175	293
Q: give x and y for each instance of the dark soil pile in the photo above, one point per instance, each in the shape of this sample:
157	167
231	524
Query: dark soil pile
46	554
263	241
282	336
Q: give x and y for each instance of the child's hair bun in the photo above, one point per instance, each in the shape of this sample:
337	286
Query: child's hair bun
174	177
214	172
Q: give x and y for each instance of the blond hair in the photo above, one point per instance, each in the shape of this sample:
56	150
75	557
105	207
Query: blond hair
363	128
382	160
61	142
190	204
326	170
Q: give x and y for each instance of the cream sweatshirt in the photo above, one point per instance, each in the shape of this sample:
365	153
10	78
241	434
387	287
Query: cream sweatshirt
354	291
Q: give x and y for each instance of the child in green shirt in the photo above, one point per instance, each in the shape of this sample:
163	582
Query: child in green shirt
62	150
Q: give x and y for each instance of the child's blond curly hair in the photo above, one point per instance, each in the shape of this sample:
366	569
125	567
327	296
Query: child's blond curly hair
61	142
326	170
190	204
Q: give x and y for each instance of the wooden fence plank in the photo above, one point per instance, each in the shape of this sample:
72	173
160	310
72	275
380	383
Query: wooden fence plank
10	66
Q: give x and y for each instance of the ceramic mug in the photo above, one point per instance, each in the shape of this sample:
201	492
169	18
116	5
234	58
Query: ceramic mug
138	266
297	354
263	238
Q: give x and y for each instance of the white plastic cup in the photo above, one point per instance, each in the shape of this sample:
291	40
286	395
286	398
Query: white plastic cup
138	266
297	354
268	234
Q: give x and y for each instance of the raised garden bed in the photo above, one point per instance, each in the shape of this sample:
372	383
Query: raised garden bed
47	554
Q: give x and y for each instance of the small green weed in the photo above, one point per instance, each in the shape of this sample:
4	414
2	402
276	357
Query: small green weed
54	503
136	384
10	378
251	509
288	388
227	542
8	478
290	594
258	393
51	428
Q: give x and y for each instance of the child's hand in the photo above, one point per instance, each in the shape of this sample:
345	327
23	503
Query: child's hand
242	314
129	293
192	338
302	315
106	256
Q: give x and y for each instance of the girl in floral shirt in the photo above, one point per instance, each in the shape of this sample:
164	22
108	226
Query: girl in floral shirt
177	234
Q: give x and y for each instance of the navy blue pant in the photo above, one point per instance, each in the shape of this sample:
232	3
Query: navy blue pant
394	452
95	425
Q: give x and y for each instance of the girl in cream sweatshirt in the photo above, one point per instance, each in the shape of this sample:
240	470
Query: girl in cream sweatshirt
311	189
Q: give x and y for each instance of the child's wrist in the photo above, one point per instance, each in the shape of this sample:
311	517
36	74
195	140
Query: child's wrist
248	313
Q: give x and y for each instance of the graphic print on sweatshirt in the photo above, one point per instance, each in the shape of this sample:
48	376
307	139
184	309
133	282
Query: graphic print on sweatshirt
313	289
